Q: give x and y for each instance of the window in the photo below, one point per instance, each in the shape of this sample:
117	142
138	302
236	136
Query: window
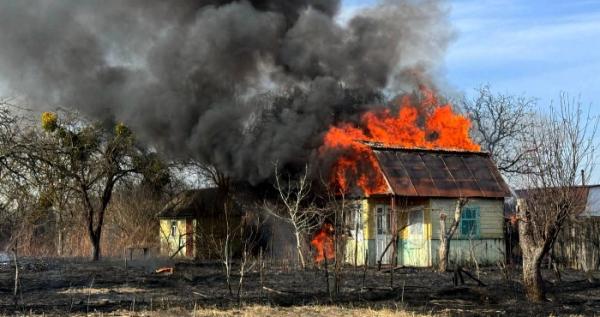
358	215
469	222
383	219
173	228
354	216
354	220
415	222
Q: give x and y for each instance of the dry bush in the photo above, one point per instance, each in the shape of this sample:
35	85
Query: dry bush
130	221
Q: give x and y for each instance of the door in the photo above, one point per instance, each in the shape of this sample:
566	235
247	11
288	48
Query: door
383	236
414	245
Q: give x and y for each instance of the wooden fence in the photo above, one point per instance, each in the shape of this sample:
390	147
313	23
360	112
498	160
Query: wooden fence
578	244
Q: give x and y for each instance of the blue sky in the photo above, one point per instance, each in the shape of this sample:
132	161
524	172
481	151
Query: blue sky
532	47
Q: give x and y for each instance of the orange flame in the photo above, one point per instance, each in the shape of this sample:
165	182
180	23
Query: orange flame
322	241
435	126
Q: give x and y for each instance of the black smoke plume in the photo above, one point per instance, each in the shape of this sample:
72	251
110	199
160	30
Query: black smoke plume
239	84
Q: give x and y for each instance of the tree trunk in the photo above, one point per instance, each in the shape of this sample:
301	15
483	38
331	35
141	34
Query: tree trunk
59	235
443	253
95	239
532	275
96	234
446	235
299	249
93	233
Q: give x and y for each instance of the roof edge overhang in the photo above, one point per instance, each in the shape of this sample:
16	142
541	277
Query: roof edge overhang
383	147
174	217
430	197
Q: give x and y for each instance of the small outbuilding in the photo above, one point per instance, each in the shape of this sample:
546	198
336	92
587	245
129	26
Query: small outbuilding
192	224
577	245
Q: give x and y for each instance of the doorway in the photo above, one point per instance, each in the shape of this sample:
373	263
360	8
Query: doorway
383	234
415	247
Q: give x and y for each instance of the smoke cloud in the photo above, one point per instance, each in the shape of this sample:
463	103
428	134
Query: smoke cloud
239	84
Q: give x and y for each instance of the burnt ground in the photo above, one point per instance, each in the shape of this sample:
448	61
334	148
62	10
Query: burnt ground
60	286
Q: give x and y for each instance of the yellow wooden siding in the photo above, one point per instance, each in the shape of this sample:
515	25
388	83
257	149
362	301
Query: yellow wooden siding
402	222
414	250
403	219
487	248
428	232
491	216
368	223
368	214
427	227
360	254
170	244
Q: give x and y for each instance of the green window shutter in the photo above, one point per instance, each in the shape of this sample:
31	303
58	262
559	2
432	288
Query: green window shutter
477	222
464	226
470	222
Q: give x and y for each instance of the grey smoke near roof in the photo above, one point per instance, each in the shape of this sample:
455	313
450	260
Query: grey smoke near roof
240	84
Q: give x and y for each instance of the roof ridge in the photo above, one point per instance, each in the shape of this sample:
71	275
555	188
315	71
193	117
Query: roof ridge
383	146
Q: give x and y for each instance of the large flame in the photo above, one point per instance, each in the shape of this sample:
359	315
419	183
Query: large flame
322	241
428	125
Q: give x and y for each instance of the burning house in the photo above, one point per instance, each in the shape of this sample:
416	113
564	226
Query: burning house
420	185
404	170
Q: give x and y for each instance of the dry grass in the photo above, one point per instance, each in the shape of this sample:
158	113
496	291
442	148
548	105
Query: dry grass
255	311
329	311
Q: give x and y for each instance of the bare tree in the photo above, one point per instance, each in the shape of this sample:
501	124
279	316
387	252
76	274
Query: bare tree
303	217
89	159
246	262
560	155
447	234
500	127
10	143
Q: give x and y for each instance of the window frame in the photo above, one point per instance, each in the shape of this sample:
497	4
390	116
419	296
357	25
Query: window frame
379	219
174	227
475	218
385	218
421	222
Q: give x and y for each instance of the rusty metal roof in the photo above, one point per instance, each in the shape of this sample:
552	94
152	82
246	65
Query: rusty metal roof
440	173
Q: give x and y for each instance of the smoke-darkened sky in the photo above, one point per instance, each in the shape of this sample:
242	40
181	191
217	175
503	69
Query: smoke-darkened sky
239	84
244	84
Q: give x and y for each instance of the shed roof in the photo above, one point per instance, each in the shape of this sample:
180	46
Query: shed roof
193	203
592	207
589	193
440	173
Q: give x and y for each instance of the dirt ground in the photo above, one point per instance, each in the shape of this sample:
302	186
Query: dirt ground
60	287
